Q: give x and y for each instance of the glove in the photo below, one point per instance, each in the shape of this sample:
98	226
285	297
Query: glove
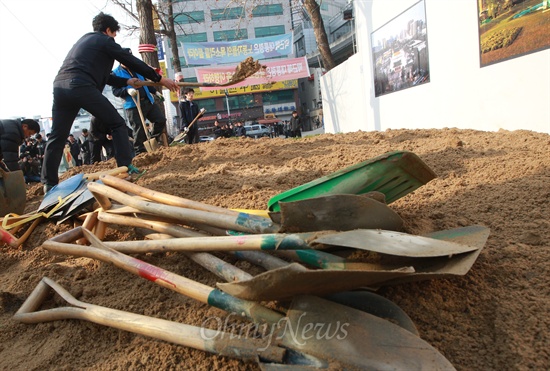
186	129
159	96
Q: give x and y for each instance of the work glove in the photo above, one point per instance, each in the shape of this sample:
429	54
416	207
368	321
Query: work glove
159	96
186	129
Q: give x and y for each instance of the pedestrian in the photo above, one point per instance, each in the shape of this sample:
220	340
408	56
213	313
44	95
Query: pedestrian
40	147
79	84
218	131
189	111
295	125
240	130
151	111
74	148
85	147
12	136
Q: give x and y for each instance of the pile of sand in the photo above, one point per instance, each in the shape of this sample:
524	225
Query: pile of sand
495	317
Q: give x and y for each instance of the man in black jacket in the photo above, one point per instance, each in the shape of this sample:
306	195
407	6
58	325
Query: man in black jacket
189	110
12	135
79	84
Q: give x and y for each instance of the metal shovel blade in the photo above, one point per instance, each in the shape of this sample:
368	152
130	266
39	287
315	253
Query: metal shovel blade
394	243
151	145
13	193
294	279
342	212
351	339
395	174
62	190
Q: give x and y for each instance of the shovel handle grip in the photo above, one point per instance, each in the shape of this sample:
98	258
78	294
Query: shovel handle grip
208	340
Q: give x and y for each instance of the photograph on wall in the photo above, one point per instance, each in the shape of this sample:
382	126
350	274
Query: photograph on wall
512	28
400	52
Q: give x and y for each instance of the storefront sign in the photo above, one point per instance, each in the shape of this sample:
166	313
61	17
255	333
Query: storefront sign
219	52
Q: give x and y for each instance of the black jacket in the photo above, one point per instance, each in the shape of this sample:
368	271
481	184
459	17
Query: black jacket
91	60
11	137
188	113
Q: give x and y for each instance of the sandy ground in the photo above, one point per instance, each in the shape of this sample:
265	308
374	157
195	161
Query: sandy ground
496	317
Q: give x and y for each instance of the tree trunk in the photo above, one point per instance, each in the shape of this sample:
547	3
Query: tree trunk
320	35
147	31
173	40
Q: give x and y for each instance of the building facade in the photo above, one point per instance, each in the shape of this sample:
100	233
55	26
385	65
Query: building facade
226	21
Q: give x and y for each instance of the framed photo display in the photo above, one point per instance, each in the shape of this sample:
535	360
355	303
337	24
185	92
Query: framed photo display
400	52
512	28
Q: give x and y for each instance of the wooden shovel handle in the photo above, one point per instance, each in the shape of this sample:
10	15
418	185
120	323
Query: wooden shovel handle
208	340
212	263
164	278
164	198
188	84
138	106
114	172
242	222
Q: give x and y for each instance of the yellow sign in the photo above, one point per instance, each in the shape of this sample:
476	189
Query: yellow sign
260	88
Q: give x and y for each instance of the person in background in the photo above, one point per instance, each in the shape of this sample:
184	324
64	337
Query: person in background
74	147
79	84
40	147
189	111
12	135
240	130
31	168
218	131
85	147
150	110
295	125
28	147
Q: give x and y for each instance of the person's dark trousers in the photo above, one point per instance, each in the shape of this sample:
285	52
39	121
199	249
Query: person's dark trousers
68	97
151	112
32	179
96	147
192	136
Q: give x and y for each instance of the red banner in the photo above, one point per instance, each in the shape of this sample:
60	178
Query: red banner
278	70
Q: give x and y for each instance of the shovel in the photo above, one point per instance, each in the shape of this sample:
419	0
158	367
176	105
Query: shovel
181	136
151	144
395	174
350	211
13	192
292	280
207	340
159	276
333	335
245	69
385	242
365	301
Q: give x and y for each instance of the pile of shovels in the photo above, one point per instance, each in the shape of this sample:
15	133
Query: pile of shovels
324	253
67	200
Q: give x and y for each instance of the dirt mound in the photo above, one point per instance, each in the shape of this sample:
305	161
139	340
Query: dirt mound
496	317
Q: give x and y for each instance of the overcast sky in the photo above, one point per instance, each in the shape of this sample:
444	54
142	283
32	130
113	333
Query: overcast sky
35	37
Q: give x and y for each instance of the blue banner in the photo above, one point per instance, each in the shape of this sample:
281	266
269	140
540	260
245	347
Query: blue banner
221	52
160	48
